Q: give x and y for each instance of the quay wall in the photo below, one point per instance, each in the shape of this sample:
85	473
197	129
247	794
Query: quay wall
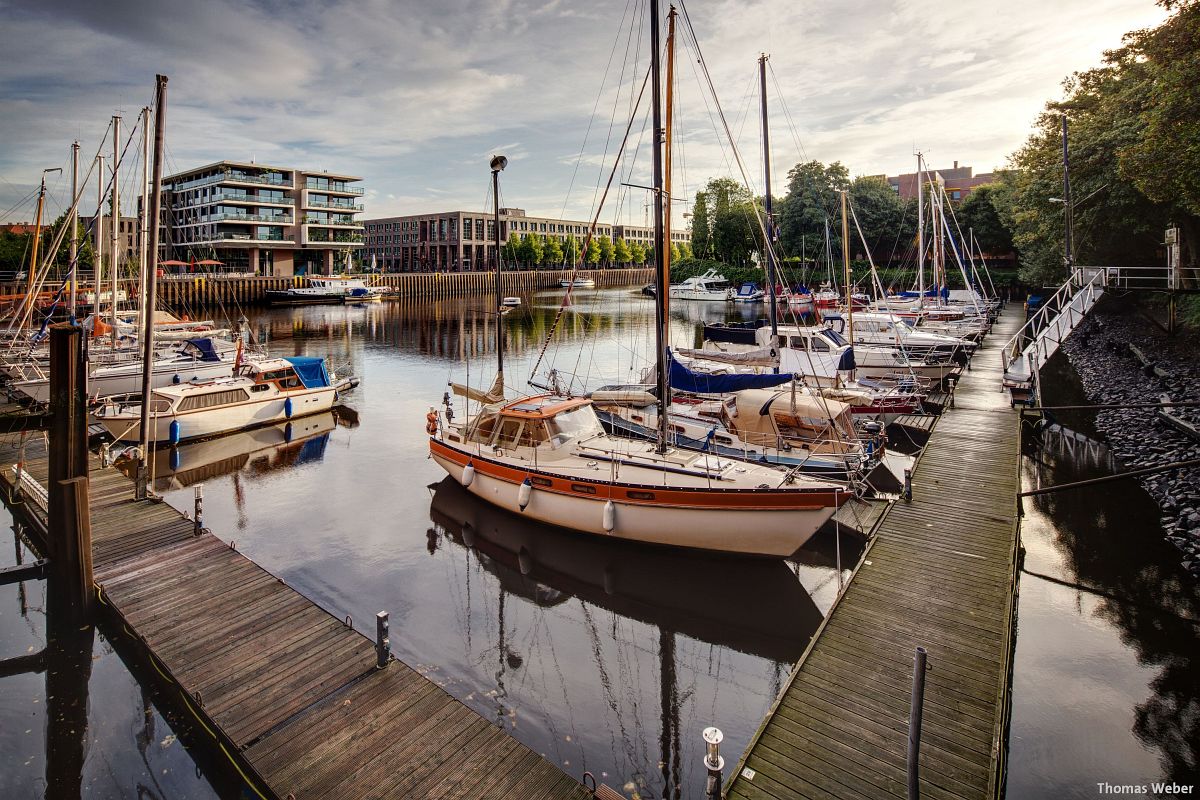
182	291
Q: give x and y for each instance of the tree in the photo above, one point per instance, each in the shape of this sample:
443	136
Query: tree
880	213
701	229
978	213
676	254
685	250
593	252
621	252
537	249
571	248
553	251
731	223
637	253
605	245
512	249
812	198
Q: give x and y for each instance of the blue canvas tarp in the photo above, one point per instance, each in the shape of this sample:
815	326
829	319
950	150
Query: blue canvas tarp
205	348
311	370
685	380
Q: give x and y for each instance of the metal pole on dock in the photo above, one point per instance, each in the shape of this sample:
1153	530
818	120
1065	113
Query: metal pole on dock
383	644
1068	215
150	271
713	762
914	724
70	531
198	521
74	263
144	216
115	233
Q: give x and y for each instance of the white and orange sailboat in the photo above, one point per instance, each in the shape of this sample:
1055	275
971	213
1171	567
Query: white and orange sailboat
547	456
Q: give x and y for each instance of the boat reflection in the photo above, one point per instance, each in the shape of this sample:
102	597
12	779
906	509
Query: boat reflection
753	606
260	450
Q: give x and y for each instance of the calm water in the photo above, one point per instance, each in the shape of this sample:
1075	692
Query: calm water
600	656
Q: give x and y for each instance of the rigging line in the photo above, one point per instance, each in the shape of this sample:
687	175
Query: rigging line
786	112
591	232
32	194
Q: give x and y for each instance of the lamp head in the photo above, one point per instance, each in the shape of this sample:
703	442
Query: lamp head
499	163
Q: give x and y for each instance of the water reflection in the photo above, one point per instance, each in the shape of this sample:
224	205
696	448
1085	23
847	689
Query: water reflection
1109	644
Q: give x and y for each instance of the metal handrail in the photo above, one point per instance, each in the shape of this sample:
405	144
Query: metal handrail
1051	306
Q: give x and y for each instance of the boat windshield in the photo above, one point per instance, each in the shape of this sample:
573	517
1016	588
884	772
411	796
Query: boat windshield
578	423
834	336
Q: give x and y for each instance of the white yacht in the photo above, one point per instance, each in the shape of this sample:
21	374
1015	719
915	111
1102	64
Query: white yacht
709	286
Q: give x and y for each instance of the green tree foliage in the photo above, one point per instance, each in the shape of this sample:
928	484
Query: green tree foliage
593	252
621	252
812	197
16	248
701	225
880	213
732	226
685	250
531	249
1135	166
637	253
512	249
571	247
553	251
980	213
605	245
676	254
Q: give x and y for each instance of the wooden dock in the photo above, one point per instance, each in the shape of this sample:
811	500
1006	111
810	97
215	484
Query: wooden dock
941	573
289	691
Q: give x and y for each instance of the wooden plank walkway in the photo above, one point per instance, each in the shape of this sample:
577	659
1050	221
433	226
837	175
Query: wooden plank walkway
939	573
290	688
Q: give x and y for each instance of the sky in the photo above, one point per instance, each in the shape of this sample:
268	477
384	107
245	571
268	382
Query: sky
415	97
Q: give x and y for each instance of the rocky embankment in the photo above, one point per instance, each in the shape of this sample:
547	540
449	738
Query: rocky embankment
1099	352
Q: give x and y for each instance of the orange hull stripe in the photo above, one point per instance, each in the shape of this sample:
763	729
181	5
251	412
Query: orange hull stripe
699	497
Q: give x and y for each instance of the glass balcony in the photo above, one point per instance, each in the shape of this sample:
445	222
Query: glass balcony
232	236
332	222
272	220
313	203
235	176
237	197
336	187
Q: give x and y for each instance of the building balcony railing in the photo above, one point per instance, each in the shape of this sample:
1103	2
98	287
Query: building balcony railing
237	197
339	222
235	237
230	176
335	206
336	188
270	220
347	238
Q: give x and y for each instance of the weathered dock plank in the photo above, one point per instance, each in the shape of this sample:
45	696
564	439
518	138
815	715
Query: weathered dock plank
292	690
939	573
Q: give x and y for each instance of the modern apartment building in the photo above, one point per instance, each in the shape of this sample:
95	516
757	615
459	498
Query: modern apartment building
259	219
461	241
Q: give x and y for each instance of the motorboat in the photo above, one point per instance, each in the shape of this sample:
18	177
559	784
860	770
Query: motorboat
260	392
577	283
749	292
317	290
709	286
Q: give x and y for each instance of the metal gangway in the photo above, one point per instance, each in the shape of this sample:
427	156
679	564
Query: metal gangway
1045	330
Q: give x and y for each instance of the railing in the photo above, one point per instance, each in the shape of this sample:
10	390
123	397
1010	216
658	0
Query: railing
348	222
281	219
237	197
271	179
341	188
1084	285
235	237
339	206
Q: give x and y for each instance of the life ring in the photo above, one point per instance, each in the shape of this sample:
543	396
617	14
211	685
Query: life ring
431	423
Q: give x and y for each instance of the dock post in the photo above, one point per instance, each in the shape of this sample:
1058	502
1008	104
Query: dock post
713	762
383	645
69	525
198	519
908	485
914	724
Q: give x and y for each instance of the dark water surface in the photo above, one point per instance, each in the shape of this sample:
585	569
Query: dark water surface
601	656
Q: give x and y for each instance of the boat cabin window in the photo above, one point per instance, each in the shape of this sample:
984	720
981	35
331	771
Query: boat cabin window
510	429
286	378
819	345
578	423
533	434
834	337
160	404
798	343
210	399
483	428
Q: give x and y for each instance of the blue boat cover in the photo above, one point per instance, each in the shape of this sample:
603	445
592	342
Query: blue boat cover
685	380
205	346
928	293
311	370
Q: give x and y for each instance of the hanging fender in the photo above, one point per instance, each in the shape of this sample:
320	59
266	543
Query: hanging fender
468	475
524	493
610	516
174	432
288	408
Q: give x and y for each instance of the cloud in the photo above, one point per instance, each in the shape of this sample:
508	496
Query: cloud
412	94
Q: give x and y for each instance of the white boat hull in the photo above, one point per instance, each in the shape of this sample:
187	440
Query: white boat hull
127	378
756	531
207	422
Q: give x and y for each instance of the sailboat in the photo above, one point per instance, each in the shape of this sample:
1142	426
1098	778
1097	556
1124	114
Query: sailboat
548	457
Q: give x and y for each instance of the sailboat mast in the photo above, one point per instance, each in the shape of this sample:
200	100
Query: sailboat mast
74	221
769	228
498	164
669	110
846	267
98	234
660	263
115	233
920	230
37	238
149	278
144	213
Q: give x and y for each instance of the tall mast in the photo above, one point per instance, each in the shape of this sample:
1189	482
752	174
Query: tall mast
660	262
98	234
115	233
144	304
846	267
37	238
920	230
769	228
498	164
149	275
74	227
669	109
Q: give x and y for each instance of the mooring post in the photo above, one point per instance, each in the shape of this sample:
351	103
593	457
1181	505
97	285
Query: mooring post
908	485
69	524
383	645
713	762
914	724
198	523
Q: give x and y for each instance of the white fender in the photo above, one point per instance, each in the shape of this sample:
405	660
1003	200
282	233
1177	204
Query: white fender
610	516
524	492
468	476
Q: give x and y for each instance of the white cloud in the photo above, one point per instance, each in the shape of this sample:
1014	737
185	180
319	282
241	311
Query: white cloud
413	95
